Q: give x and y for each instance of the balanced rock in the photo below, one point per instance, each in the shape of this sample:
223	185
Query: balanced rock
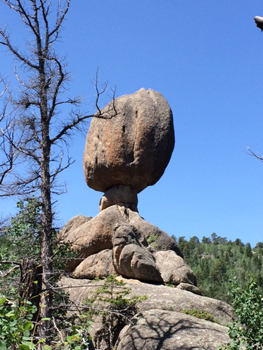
129	142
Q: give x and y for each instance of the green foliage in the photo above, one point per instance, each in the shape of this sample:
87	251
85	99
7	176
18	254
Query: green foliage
16	324
19	320
215	260
247	330
22	239
74	334
18	328
152	238
23	234
113	295
112	301
200	314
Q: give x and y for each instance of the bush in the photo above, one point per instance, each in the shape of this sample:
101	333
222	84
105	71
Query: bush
16	324
247	330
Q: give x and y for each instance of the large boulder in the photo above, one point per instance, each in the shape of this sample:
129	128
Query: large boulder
130	256
131	144
162	320
92	236
166	330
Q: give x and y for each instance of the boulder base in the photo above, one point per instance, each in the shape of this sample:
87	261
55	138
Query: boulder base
161	321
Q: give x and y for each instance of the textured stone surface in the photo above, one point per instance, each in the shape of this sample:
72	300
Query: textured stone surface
73	224
157	239
133	147
166	330
189	287
131	258
158	297
161	322
95	234
96	266
92	236
173	268
121	195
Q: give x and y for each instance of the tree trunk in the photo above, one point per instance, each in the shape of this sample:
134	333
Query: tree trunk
46	243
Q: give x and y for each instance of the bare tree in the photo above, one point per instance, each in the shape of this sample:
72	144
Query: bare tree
34	134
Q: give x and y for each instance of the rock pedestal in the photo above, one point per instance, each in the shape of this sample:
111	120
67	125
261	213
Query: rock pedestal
119	241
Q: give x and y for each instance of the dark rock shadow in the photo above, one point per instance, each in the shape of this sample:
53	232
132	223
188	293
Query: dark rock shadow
151	334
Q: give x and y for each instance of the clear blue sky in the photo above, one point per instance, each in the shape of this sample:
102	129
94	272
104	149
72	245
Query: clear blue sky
206	58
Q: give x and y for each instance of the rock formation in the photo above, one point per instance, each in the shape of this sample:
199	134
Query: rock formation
162	320
128	146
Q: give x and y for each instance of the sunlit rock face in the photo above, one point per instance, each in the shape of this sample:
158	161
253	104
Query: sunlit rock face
133	145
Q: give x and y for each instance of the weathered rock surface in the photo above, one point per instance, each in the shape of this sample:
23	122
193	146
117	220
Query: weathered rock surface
166	330
173	268
133	146
92	236
131	258
73	224
161	322
132	244
156	238
122	195
96	266
189	287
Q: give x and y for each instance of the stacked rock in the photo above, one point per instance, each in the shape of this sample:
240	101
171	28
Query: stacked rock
128	146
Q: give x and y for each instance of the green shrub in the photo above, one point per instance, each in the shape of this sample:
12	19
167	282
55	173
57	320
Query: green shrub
246	332
16	324
200	314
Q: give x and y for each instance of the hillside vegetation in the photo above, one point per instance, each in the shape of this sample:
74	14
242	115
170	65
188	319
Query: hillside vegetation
216	260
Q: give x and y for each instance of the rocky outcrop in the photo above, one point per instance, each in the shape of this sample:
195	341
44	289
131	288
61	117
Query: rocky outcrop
96	266
119	241
90	237
132	144
162	320
166	330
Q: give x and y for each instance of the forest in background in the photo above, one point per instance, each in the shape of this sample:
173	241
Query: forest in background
216	261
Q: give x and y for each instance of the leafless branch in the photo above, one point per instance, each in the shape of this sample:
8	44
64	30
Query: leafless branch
14	50
256	155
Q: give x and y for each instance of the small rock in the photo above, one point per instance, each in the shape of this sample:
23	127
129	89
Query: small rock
122	195
189	287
